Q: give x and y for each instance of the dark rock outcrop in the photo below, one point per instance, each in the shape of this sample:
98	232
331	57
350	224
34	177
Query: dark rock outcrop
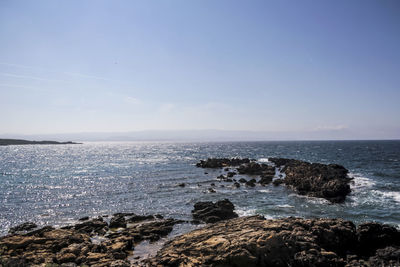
254	241
316	179
253	168
118	221
210	212
265	179
220	163
27	226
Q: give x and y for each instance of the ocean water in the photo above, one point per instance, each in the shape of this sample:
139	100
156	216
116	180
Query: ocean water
57	184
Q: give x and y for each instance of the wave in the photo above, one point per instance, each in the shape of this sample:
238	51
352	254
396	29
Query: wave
263	160
391	195
264	191
360	182
285	206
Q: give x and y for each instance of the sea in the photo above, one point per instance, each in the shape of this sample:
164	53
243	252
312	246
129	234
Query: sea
58	184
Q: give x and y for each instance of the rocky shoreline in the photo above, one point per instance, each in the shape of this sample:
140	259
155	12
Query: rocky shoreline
255	241
225	240
90	242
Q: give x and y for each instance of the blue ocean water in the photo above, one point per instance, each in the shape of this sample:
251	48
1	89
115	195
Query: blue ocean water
57	184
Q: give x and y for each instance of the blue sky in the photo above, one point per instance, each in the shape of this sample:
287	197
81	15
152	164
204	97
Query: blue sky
115	66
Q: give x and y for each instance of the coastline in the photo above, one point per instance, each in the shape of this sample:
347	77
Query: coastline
111	241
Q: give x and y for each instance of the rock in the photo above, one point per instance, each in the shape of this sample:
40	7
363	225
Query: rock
74	247
231	174
265	179
242	180
94	226
222	177
277	182
236	184
251	183
389	256
84	218
254	168
182	185
22	227
117	221
372	236
220	163
254	241
316	179
226	169
211	190
210	212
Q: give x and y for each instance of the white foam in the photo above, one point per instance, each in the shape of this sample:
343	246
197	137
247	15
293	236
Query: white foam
285	206
314	200
360	182
243	212
264	191
263	160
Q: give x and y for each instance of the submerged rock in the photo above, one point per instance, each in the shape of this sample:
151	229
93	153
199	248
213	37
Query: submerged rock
210	212
254	241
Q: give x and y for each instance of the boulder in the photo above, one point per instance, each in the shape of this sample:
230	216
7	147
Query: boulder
210	212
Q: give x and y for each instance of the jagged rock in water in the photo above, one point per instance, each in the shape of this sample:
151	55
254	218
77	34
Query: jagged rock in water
265	179
220	163
210	212
316	179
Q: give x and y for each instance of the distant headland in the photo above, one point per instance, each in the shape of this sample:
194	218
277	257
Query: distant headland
8	142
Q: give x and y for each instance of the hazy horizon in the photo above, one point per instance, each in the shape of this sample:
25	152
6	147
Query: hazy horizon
247	70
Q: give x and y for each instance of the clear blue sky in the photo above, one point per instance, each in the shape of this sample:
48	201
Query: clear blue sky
93	66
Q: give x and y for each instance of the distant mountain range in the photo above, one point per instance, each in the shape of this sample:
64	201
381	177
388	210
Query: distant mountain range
200	135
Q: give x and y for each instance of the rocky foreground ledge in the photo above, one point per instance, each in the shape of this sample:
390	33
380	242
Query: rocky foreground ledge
329	181
254	241
94	242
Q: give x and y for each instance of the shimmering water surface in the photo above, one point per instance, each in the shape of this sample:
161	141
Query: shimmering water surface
57	184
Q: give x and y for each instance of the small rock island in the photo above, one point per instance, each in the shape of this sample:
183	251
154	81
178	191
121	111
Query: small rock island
9	142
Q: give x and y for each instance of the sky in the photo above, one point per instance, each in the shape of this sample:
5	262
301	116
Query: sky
263	66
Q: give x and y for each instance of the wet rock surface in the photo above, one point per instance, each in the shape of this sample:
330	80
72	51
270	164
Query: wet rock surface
210	212
75	245
254	241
